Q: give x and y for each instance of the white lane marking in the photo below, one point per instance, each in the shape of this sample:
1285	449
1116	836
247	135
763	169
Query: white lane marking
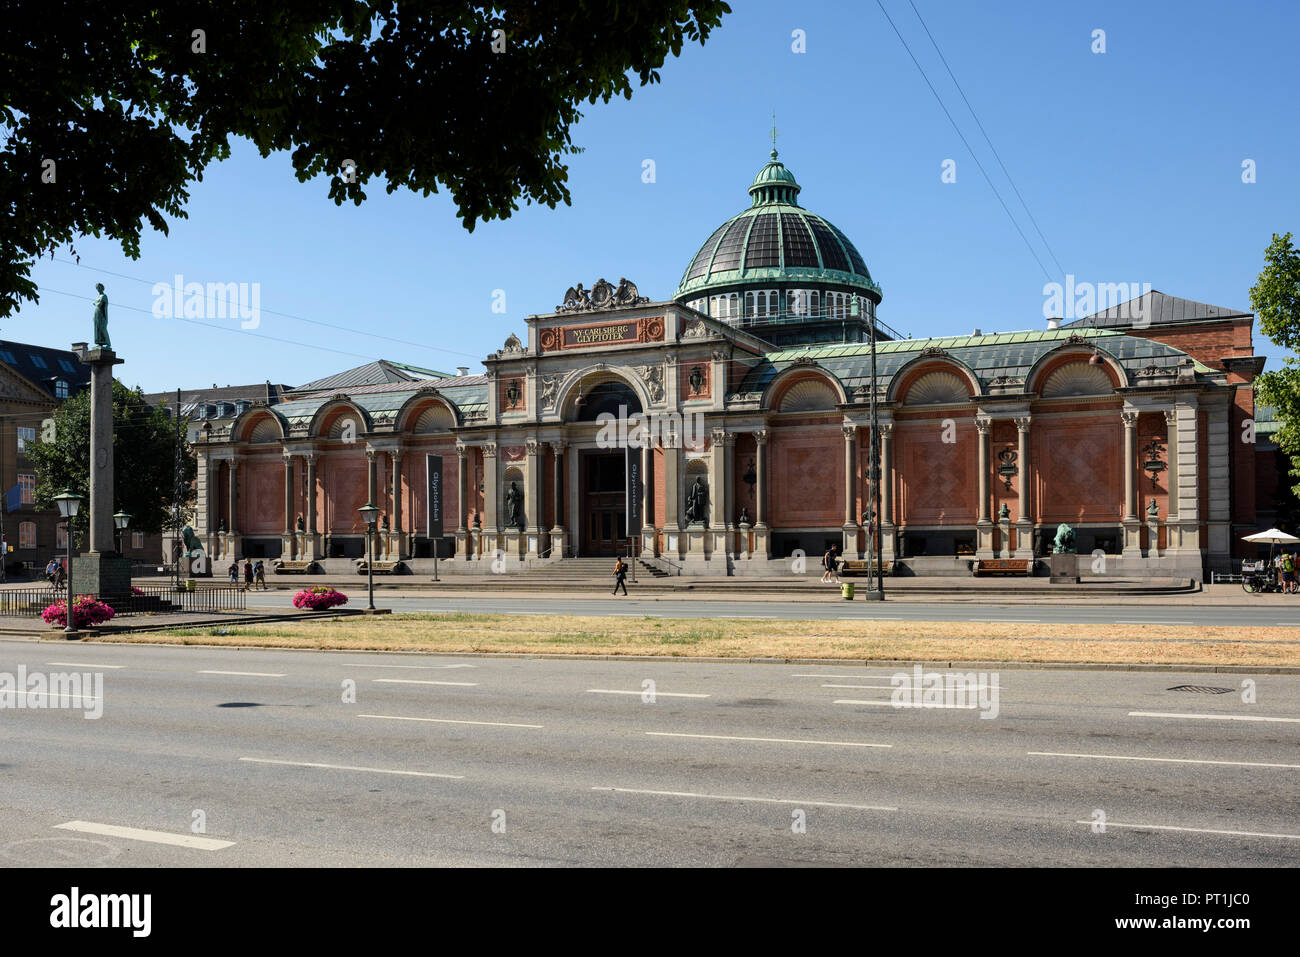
1209	717
348	767
245	674
418	667
60	695
866	618
82	664
495	724
417	681
864	674
153	837
1196	830
894	687
730	737
738	797
917	707
1126	757
656	694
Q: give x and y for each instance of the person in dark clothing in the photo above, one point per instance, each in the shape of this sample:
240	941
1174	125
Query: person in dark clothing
259	574
620	577
248	575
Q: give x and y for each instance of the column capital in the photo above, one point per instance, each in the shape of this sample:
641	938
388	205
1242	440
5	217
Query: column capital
1022	422
370	453
532	446
983	423
1129	417
558	447
760	436
288	459
462	450
397	453
849	429
718	436
1171	416
885	429
489	450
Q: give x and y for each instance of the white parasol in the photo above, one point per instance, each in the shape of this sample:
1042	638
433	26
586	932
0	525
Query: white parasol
1274	537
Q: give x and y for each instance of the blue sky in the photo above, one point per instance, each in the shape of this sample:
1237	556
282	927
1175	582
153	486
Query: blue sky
1130	161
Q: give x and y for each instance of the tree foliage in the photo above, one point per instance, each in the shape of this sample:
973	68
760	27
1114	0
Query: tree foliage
144	458
132	100
1275	297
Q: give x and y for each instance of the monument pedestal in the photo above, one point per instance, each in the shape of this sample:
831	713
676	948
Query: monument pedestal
1065	569
695	554
984	539
1024	540
101	574
557	542
849	543
744	551
762	542
647	541
1132	547
1004	534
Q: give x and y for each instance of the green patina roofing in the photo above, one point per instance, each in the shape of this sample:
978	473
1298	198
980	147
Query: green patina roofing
997	354
382	406
775	192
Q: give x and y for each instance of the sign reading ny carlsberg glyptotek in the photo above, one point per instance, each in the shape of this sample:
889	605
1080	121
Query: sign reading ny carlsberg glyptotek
601	334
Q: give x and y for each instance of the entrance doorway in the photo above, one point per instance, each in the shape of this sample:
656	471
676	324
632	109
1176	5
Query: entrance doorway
604	500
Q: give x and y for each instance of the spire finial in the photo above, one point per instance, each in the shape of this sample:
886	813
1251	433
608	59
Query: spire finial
774	134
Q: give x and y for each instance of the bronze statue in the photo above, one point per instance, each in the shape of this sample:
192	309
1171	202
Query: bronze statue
1064	543
744	515
193	547
514	511
302	526
1153	511
697	502
101	319
1004	513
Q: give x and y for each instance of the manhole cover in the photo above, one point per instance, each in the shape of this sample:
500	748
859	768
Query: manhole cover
1201	689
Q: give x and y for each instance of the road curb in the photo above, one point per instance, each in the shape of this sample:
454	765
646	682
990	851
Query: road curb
683	659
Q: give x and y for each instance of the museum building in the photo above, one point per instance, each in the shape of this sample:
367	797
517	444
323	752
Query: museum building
753	385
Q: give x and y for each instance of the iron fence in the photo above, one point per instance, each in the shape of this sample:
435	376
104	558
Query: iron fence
149	599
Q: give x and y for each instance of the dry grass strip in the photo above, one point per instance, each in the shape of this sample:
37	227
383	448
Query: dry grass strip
749	638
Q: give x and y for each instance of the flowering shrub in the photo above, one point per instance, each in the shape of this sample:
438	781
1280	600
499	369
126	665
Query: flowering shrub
86	610
319	598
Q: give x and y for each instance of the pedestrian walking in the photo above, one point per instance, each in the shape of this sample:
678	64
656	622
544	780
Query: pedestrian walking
234	573
1288	573
248	575
835	565
828	558
259	573
620	577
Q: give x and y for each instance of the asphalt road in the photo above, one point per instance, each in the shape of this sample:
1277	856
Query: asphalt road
1096	611
728	765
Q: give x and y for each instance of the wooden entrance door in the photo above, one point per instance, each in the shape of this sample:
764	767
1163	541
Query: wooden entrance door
604	527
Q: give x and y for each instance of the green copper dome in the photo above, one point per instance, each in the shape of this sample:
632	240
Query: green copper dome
776	242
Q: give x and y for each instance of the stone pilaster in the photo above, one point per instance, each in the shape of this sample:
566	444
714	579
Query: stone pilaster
983	527
762	543
849	546
1132	525
1024	511
557	529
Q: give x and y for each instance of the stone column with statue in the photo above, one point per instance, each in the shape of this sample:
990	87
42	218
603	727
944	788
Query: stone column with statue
102	571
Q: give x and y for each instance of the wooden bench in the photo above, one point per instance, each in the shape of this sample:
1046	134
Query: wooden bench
381	568
282	567
1003	566
862	567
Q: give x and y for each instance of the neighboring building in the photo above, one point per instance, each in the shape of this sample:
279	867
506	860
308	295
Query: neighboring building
1128	429
34	380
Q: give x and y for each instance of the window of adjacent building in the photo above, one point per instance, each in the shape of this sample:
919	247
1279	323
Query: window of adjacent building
37	360
137	539
61	537
27	483
26	439
26	534
7	356
67	366
60	389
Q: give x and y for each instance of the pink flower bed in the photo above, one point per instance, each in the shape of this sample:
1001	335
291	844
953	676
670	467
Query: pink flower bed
319	598
85	611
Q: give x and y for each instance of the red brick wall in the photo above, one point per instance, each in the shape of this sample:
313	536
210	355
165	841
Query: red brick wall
937	482
1078	466
1206	342
806	477
262	496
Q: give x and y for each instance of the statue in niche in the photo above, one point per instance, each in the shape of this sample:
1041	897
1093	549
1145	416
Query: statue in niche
514	506
697	501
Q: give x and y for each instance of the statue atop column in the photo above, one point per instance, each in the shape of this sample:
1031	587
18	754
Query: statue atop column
101	319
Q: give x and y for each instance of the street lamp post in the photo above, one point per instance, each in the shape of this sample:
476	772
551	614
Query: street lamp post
370	513
873	467
120	521
69	502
